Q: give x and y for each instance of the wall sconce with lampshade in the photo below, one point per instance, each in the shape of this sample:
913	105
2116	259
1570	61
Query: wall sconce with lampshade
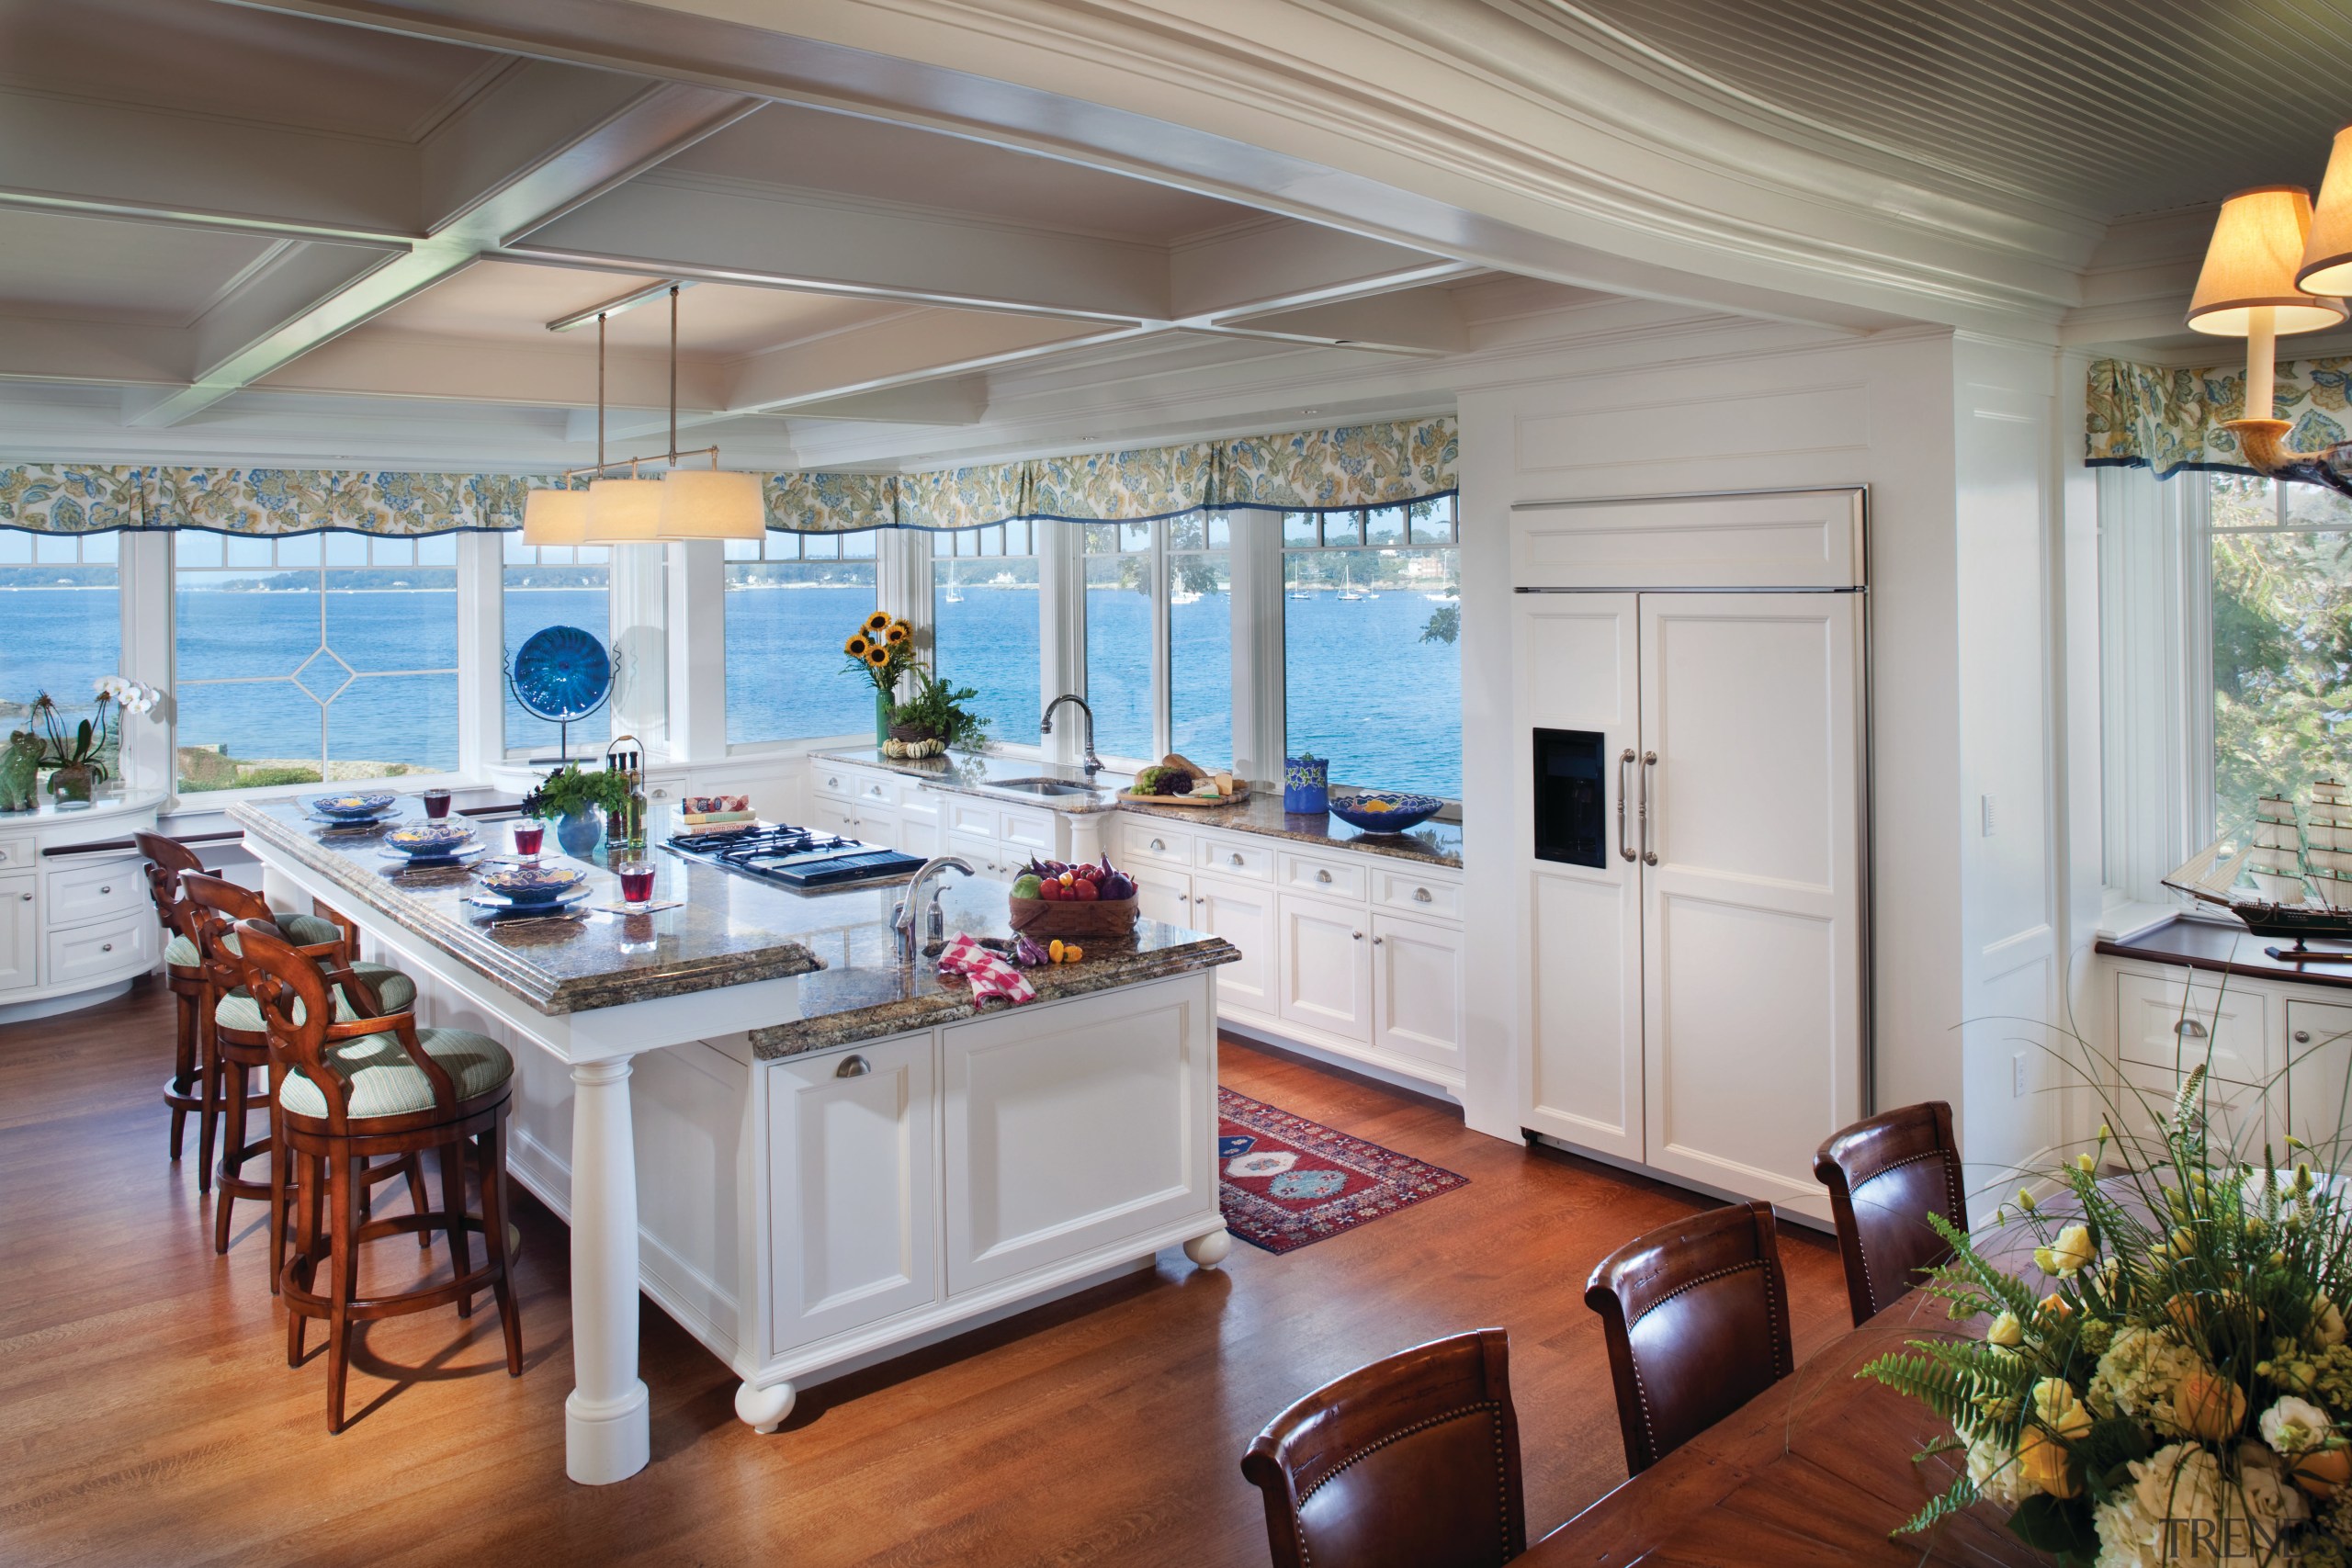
684	504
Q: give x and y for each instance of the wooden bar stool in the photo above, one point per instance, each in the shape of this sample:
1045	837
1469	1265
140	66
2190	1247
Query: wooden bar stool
184	973
371	1086
234	1041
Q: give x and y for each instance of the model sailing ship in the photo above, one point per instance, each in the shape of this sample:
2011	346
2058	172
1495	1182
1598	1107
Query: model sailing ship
2303	874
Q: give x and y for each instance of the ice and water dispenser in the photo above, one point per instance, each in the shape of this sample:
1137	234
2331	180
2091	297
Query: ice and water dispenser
1571	797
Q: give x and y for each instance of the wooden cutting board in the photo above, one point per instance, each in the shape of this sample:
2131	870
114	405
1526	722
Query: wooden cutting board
1240	792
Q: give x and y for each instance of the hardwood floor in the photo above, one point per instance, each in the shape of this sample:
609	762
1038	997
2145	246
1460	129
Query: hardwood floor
147	1415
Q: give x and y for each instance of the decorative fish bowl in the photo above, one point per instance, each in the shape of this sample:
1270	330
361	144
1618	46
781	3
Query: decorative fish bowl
350	807
532	883
430	840
1385	812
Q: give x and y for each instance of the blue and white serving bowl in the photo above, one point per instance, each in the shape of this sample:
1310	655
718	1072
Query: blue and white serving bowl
430	840
1385	811
532	883
350	807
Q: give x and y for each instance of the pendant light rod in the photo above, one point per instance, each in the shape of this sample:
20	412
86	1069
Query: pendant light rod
672	455
628	301
600	390
673	377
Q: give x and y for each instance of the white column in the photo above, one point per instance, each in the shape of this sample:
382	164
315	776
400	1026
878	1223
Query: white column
143	559
481	654
1061	635
608	1433
640	647
698	623
1257	716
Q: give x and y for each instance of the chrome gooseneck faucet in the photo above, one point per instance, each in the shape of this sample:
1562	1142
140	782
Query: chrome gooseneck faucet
935	921
1045	727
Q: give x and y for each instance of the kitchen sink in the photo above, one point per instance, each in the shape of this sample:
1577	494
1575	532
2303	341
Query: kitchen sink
1040	787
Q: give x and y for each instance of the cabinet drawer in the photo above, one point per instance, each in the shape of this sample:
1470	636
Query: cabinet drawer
2240	1112
15	854
2165	1023
834	780
968	818
1331	878
919	803
96	951
1147	840
1026	830
1236	857
94	890
1412	893
874	789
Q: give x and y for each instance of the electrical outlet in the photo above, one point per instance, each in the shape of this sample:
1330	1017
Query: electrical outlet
1985	813
2017	1076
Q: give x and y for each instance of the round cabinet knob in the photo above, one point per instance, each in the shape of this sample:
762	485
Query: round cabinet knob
106	889
1322	876
1378	940
106	947
2302	1037
1421	895
1357	935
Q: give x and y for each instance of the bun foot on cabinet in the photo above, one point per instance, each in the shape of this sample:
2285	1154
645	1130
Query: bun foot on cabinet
764	1409
1208	1251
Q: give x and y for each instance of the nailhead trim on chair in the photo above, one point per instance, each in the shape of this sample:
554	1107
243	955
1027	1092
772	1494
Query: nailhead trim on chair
1502	1469
1648	1429
1854	1198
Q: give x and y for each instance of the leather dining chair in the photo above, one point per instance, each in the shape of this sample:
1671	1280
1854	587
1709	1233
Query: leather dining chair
1885	1176
1696	1315
1409	1463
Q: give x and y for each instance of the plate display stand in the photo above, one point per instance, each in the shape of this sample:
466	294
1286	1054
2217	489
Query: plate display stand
560	675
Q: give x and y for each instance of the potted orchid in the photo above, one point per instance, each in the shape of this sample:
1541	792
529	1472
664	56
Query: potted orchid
79	757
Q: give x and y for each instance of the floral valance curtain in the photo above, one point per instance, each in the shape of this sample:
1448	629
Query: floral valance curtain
1308	470
2167	419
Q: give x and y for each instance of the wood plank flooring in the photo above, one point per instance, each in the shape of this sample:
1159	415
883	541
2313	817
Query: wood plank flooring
147	1415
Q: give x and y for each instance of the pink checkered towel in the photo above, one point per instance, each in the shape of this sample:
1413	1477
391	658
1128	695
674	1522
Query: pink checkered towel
991	974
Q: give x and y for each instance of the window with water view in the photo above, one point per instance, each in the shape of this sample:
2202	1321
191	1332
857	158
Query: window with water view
1371	615
60	602
320	656
791	600
553	585
984	614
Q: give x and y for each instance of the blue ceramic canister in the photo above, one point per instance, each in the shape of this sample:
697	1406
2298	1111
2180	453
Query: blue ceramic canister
1306	784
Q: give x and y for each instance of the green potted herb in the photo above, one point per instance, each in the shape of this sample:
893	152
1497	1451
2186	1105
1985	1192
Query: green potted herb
577	800
933	718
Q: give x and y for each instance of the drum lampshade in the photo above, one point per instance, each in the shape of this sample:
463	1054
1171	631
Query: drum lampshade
623	511
700	503
555	516
2251	262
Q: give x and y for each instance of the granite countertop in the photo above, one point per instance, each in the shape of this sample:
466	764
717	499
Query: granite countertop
728	930
1431	843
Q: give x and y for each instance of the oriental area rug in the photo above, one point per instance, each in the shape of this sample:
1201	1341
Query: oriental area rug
1285	1181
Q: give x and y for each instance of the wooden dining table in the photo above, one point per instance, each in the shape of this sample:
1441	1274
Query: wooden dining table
1817	1470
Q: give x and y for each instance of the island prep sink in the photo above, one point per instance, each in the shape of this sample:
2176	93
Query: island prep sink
1039	786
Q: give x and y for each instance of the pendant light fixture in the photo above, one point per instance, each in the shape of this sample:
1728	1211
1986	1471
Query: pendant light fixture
687	503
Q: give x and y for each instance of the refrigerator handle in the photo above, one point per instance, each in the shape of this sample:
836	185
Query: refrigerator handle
1624	789
1649	775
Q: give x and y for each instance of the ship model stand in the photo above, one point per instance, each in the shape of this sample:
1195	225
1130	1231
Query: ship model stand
2301	875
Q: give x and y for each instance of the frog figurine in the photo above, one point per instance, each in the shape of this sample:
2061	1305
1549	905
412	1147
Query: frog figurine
19	764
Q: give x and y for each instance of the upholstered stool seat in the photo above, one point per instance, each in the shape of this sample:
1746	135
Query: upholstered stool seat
379	1079
303	930
395	990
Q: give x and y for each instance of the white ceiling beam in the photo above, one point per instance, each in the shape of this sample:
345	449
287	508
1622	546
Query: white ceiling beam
920	346
1412	321
540	139
559	374
1279	264
736	232
957	400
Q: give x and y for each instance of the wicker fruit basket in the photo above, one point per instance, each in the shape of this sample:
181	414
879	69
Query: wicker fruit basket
1072	917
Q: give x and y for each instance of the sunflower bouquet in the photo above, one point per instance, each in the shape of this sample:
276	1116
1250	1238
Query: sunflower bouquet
2176	1386
883	650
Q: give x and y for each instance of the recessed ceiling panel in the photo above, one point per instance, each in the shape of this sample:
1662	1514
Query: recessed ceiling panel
511	301
62	265
785	144
200	56
2102	107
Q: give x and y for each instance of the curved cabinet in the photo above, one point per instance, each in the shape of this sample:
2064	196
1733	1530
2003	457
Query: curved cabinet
75	923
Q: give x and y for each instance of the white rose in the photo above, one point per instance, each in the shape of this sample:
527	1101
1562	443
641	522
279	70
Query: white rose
1992	1471
2293	1424
2006	1331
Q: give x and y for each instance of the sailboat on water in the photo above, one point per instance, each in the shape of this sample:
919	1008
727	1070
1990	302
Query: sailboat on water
1348	591
2288	865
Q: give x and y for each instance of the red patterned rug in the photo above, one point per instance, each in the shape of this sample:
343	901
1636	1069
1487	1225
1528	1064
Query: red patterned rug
1285	1181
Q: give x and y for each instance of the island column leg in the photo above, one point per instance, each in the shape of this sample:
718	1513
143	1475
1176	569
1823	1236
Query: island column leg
608	1432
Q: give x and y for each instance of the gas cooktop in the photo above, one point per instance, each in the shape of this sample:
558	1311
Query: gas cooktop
801	859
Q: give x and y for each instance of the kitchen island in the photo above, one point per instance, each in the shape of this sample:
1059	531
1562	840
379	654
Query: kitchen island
810	1154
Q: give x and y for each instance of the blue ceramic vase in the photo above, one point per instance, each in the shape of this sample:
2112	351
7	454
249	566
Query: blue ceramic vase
1306	784
578	832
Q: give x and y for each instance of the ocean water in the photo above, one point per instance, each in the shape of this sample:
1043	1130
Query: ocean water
1362	689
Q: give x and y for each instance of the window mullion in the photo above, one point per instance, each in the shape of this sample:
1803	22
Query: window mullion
1162	725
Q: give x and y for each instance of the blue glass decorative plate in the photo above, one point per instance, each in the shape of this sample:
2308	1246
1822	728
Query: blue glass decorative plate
561	674
1385	811
532	883
349	808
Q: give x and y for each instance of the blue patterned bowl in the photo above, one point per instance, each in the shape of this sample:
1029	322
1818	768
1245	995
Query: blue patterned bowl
1399	811
531	883
350	807
430	840
561	674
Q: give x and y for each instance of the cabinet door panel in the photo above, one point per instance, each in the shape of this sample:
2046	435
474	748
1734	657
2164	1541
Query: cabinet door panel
1070	1128
1163	896
17	936
1243	914
1584	923
2319	1061
855	1188
1418	979
1327	967
1751	933
829	816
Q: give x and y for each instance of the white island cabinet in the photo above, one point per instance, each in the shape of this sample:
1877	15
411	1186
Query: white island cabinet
809	1153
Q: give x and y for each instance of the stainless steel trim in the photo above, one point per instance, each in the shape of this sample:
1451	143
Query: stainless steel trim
853	1067
1649	765
1624	787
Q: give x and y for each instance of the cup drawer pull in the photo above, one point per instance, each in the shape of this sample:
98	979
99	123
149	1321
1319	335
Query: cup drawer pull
2189	1029
1421	895
853	1067
1322	876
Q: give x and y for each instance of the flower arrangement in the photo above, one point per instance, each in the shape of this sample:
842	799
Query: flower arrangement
883	650
78	754
2180	1394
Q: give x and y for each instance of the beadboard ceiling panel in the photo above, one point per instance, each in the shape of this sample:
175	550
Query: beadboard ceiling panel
2099	107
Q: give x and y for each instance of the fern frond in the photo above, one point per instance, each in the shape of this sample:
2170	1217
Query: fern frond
1962	1493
